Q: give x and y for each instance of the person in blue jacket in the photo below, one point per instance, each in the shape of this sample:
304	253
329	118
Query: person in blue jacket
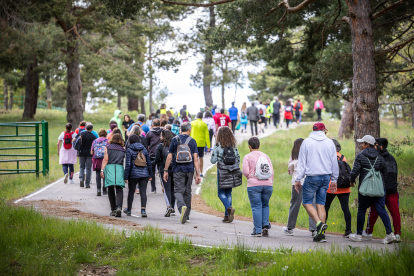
135	175
234	116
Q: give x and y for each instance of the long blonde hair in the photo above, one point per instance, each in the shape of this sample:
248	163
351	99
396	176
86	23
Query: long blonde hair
244	107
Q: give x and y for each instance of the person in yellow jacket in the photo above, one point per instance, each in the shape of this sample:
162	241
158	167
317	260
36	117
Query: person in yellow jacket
163	109
268	113
200	133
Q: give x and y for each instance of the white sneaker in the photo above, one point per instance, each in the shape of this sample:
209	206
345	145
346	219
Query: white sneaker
71	181
389	239
397	238
313	233
366	237
355	237
287	231
66	178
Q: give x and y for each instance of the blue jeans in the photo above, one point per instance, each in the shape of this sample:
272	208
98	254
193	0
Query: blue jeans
68	168
224	195
364	202
259	197
317	184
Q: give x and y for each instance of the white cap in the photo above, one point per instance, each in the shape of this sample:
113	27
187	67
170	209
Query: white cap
367	139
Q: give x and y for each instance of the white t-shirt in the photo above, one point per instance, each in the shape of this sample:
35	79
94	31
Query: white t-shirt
62	135
263	108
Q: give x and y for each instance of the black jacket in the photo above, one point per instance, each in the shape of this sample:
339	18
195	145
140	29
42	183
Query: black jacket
361	163
160	159
276	107
230	176
153	140
391	176
142	140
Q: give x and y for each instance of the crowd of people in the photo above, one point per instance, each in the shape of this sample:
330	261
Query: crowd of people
172	149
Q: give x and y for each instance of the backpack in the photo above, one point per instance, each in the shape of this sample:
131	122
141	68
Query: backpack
288	108
263	170
165	152
140	161
77	144
229	156
297	107
318	105
67	140
185	120
260	111
372	184
99	149
344	174
243	115
183	151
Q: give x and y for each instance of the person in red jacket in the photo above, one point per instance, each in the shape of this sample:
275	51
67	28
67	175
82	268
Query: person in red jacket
298	107
288	113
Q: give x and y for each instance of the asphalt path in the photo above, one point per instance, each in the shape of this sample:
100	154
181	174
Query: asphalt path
203	229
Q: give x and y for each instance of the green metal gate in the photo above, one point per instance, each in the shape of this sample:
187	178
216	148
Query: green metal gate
42	138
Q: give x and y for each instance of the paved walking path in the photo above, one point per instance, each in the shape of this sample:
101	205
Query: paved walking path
203	229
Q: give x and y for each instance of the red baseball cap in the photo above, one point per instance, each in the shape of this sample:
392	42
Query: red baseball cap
319	126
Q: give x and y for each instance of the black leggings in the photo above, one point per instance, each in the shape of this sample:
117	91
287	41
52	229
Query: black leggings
142	184
115	200
211	133
169	189
255	125
319	112
233	125
99	180
344	201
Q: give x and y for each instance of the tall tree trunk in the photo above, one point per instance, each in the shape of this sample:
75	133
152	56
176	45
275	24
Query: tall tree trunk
222	95
32	90
11	97
151	104
74	104
142	102
365	94
412	115
394	112
347	120
119	102
6	94
207	70
132	104
48	92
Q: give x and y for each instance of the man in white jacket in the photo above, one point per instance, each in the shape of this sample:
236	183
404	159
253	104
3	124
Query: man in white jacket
318	162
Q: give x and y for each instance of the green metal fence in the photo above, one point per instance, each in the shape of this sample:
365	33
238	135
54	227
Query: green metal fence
41	142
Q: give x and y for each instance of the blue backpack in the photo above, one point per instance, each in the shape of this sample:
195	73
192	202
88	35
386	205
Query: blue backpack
99	149
77	145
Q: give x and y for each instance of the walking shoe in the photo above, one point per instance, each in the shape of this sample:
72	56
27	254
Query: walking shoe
265	231
113	213
71	181
287	231
347	233
322	239
168	212
143	213
127	212
254	234
397	238
183	217
355	237
319	238
118	212
105	192
173	212
154	191
366	236
201	175
231	211
188	219
87	186
98	193
82	183
226	219
314	233
321	228
390	238
66	178
137	191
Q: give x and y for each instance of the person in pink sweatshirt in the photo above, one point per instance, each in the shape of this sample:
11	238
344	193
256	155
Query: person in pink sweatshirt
258	170
318	107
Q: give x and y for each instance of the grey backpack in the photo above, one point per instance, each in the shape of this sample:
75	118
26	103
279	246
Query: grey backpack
183	151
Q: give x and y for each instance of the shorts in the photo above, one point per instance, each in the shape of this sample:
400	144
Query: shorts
316	185
200	151
263	119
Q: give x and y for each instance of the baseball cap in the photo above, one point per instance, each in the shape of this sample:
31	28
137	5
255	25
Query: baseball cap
367	139
319	126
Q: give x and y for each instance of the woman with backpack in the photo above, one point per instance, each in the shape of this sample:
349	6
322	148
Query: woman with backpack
183	117
258	170
225	152
67	154
160	158
296	198
138	171
341	192
98	153
243	118
288	113
112	171
211	124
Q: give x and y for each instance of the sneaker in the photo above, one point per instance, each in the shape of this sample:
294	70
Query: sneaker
98	193
87	186
355	237
321	228
314	233
397	238
105	192
366	236
66	178
390	238
168	212
319	238
188	219
201	175
127	212
82	183
143	213
254	234
173	212
347	233
183	218
113	213
71	181
118	212
153	191
287	231
231	211
265	231
137	191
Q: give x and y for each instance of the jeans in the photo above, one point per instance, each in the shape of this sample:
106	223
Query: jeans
364	202
295	204
182	189
255	126
68	168
243	126
85	163
344	201
233	125
276	119
319	112
392	203
317	184
132	185
115	198
224	195
259	197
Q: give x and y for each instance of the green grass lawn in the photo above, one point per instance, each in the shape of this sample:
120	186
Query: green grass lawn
278	147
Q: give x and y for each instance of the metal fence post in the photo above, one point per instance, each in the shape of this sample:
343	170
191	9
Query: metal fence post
37	149
45	147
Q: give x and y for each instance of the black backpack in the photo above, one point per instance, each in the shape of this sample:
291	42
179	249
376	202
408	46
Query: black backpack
229	156
344	174
165	152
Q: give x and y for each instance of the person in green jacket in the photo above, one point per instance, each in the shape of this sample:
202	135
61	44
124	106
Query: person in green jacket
117	118
200	133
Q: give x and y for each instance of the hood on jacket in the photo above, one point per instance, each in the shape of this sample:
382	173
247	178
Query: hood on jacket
385	153
371	153
157	131
318	135
136	147
116	113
